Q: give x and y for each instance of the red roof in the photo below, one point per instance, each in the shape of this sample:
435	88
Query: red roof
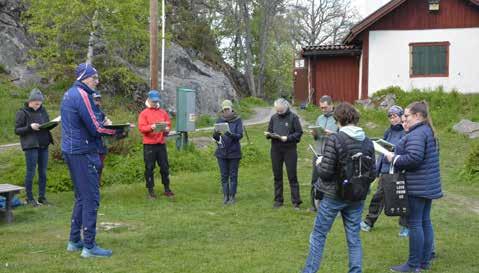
331	50
376	16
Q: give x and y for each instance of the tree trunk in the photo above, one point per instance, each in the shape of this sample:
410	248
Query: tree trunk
248	47
93	39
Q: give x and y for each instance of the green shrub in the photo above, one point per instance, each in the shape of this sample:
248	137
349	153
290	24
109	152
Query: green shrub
252	155
205	121
122	81
3	70
471	165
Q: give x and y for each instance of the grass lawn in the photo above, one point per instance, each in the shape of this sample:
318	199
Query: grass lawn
196	233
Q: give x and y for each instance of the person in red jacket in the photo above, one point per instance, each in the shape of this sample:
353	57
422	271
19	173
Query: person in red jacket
154	124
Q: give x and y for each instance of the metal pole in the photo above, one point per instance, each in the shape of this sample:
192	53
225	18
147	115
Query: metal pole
163	24
154	44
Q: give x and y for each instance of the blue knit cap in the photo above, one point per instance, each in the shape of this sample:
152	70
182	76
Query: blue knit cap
395	110
84	71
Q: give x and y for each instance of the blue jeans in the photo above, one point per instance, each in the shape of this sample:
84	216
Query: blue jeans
351	213
229	175
84	174
34	157
421	234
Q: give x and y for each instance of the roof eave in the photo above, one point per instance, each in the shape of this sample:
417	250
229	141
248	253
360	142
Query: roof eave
337	52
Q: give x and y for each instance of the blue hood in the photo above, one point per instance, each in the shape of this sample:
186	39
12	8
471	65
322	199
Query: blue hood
354	132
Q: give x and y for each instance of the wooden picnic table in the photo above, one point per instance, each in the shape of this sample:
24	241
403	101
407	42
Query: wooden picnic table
8	191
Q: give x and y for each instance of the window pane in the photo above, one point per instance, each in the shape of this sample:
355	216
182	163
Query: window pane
429	60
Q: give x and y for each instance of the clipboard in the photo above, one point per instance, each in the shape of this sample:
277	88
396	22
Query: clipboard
318	130
387	145
160	127
222	127
49	125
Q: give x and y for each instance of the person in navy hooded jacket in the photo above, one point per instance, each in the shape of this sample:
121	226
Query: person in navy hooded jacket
418	155
228	151
392	135
80	131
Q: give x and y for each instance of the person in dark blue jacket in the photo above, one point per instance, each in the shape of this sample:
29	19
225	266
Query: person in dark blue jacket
80	131
100	142
418	155
228	151
392	135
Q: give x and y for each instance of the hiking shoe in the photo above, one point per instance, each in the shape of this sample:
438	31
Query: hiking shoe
168	194
312	209
225	200
277	205
232	200
33	203
365	227
404	268
96	251
72	246
296	206
404	232
43	201
152	194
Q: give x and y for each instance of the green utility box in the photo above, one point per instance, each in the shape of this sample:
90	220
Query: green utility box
185	110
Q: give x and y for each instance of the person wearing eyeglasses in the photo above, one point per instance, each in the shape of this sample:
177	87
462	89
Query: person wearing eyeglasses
80	130
328	123
417	153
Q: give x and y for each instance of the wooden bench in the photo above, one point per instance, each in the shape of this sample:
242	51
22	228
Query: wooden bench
8	191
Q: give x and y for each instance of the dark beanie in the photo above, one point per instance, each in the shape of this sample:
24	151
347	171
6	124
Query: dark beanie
84	71
35	95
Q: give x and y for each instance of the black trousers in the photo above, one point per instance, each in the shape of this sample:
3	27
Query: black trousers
376	207
288	155
156	154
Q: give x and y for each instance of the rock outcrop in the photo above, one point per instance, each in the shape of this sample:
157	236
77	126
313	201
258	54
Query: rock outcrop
14	42
467	127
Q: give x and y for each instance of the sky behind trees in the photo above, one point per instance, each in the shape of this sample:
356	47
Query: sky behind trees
366	7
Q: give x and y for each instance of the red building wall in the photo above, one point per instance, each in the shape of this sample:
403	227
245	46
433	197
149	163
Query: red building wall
415	14
337	76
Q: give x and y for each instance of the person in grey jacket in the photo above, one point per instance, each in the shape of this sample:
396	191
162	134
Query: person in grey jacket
328	123
34	141
285	132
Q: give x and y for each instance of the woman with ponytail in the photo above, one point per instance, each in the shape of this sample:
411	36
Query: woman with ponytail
418	155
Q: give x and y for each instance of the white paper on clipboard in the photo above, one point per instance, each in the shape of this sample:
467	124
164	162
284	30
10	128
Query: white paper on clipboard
380	149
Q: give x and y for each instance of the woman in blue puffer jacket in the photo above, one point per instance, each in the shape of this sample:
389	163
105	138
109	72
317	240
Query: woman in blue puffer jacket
228	150
418	155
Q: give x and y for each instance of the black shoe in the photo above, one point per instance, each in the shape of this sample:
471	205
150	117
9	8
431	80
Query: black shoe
225	199
43	201
277	205
296	206
151	194
33	203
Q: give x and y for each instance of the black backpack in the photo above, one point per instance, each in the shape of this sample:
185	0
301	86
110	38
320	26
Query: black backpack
356	171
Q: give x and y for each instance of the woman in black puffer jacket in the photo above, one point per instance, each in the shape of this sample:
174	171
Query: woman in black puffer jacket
35	142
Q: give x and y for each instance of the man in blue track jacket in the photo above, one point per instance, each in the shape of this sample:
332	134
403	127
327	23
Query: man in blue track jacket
80	132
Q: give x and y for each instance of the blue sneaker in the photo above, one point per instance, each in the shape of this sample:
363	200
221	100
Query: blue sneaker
96	251
365	227
72	246
404	232
404	268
